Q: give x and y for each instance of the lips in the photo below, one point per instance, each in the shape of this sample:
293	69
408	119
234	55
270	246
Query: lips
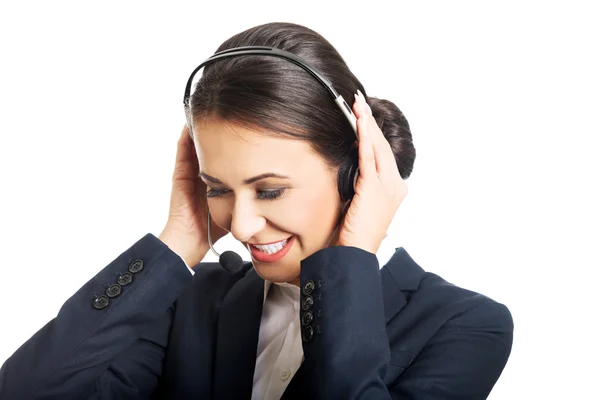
259	255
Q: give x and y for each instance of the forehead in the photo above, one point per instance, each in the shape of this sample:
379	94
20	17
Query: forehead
219	143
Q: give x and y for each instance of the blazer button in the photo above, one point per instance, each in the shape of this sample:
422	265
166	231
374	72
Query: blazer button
307	333
307	303
307	318
125	279
100	302
113	290
136	266
308	288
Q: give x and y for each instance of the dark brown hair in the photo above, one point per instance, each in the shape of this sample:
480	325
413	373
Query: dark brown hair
277	97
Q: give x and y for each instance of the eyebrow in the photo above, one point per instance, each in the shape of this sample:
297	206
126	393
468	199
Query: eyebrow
249	180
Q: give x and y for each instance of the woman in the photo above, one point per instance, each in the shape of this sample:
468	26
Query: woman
322	311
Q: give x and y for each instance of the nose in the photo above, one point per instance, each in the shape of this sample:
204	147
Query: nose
246	221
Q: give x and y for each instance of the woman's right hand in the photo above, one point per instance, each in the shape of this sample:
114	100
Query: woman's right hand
186	230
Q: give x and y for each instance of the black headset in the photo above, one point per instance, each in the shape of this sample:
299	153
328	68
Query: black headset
348	173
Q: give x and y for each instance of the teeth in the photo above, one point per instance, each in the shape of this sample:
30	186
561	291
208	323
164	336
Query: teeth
271	248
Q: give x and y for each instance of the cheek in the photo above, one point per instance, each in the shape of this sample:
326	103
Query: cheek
220	212
312	214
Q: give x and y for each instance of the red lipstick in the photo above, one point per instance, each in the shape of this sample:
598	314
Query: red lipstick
264	257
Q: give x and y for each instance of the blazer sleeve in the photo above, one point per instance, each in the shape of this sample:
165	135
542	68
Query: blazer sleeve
87	348
347	351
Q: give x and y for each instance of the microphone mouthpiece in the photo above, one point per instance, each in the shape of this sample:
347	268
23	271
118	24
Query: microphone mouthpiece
231	261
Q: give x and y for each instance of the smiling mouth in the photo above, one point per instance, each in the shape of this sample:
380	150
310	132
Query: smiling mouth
271	248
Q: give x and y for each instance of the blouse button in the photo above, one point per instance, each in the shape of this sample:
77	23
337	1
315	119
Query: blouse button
285	374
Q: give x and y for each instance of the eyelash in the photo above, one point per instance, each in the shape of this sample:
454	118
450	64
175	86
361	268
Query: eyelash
263	194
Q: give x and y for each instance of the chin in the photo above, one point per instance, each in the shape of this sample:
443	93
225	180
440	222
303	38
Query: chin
276	273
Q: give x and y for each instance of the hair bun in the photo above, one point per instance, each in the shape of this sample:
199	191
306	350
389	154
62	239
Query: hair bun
396	130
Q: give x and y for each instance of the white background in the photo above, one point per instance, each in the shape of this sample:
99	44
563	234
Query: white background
502	98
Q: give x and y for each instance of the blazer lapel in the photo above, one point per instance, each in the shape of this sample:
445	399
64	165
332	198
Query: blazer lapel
237	338
400	276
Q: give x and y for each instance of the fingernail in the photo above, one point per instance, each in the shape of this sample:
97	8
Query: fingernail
365	105
362	96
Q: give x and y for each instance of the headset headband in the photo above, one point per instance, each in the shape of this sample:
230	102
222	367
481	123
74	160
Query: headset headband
273	52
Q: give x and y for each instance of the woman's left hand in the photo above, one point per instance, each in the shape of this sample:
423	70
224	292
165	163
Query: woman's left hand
379	189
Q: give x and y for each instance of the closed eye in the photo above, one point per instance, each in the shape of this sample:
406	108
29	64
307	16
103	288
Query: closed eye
271	194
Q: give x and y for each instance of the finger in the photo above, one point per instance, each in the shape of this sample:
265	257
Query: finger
371	130
366	153
184	143
186	161
385	161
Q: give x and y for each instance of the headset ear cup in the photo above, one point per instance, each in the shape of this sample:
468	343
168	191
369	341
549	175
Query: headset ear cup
347	177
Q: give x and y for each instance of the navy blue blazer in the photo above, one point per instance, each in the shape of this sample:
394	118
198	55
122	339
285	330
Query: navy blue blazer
144	328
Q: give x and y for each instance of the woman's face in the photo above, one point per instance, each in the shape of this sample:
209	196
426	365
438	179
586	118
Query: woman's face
301	203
